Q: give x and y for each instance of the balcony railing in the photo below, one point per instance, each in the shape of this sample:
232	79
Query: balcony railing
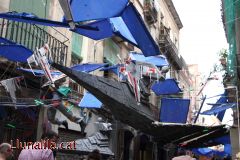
167	44
32	37
150	12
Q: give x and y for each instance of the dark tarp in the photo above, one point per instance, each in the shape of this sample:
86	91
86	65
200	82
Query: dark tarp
87	145
13	51
118	98
89	101
85	10
88	67
219	109
174	110
206	139
158	61
168	86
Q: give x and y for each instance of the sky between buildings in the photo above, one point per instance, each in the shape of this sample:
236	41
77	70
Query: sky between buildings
202	35
201	38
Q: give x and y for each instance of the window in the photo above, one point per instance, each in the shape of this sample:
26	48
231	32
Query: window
77	44
110	52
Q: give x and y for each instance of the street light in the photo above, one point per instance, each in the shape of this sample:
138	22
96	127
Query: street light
238	121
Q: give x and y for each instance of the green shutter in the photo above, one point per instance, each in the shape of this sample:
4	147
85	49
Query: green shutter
77	44
111	50
37	7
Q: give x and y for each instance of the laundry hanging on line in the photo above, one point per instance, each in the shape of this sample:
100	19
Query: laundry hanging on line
11	85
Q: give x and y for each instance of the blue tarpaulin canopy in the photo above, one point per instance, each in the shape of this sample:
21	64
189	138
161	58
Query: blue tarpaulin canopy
33	19
220	101
219	109
168	86
138	29
127	26
106	29
158	61
88	67
13	51
114	68
84	10
208	152
90	101
30	18
174	110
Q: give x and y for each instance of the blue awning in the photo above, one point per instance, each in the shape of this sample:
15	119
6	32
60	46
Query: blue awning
168	86
159	61
14	52
39	72
89	101
219	108
174	110
88	67
85	10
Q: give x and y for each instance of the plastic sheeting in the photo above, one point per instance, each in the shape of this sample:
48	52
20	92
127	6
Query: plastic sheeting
168	86
159	61
90	101
174	110
84	10
87	67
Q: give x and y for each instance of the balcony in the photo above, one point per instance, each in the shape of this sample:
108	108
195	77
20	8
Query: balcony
32	37
169	48
150	12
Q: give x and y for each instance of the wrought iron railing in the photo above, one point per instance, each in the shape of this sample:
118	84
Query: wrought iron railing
32	37
166	43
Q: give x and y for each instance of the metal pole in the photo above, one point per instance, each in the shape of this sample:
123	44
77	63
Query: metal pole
238	116
204	98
